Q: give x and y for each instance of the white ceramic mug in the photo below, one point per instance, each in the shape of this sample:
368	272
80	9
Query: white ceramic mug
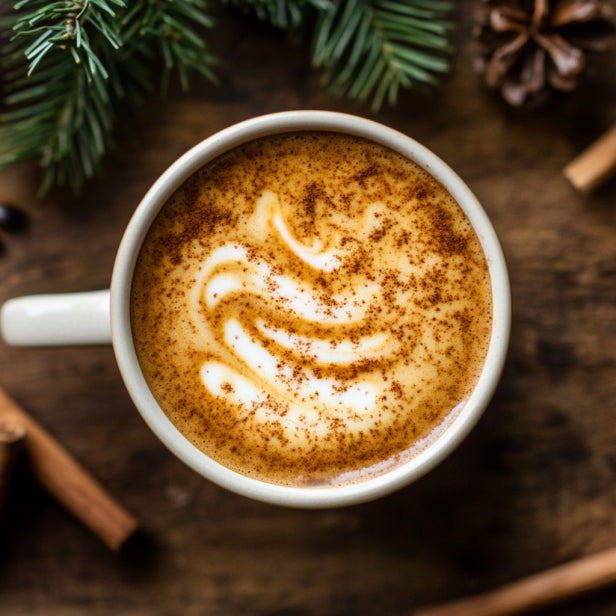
103	316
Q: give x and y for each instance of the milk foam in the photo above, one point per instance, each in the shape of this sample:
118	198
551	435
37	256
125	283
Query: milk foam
306	320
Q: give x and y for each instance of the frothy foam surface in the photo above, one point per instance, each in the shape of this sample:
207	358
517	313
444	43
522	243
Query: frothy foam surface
311	309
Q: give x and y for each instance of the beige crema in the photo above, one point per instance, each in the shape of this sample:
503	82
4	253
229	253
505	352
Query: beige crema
311	309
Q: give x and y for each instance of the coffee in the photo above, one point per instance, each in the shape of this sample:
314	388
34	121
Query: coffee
311	308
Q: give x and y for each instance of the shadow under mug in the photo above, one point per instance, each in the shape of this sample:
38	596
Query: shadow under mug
103	317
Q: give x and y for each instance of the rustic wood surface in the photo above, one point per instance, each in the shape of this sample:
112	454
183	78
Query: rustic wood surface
533	486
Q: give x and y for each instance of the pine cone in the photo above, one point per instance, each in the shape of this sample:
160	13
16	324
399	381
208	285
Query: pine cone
530	48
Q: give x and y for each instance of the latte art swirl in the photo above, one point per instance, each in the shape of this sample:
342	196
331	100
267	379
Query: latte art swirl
311	309
267	366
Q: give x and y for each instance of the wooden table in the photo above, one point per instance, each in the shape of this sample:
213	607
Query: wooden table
531	487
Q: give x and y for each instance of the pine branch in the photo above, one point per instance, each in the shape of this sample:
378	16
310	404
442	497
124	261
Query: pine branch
86	63
372	48
72	68
367	48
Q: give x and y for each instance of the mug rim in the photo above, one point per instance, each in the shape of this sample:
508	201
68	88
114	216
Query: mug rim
326	496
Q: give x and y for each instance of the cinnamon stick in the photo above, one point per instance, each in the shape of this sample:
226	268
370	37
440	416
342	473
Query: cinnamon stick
68	482
595	165
12	434
546	588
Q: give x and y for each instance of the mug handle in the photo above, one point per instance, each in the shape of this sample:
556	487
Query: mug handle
60	319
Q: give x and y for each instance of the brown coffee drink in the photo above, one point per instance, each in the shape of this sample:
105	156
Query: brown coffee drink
311	308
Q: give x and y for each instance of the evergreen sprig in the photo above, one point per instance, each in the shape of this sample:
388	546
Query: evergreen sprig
70	68
368	48
372	48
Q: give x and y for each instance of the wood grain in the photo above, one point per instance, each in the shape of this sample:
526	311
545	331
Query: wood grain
532	486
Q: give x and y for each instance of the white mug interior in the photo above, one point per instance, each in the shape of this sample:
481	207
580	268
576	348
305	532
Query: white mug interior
306	497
